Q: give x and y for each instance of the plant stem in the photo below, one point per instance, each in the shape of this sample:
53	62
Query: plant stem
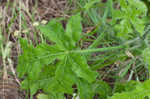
97	49
105	49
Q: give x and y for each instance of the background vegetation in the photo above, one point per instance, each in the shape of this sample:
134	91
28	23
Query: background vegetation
75	49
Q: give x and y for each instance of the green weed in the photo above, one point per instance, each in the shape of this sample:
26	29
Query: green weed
62	67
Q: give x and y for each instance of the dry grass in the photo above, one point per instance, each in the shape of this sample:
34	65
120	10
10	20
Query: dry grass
17	18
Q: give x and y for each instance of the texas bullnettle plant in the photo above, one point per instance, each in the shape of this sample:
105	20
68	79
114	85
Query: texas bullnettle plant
61	67
56	68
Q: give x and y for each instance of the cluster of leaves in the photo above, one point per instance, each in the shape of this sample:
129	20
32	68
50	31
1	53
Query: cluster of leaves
62	67
57	67
131	12
128	24
141	91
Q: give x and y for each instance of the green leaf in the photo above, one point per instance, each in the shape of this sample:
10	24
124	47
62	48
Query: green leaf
28	49
37	57
131	12
62	81
30	85
42	96
74	29
65	76
102	88
142	90
126	86
54	31
146	57
25	45
81	68
34	87
90	4
85	89
46	54
56	96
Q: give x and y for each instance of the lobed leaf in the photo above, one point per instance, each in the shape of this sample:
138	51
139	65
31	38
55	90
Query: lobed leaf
74	29
54	31
80	67
85	89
